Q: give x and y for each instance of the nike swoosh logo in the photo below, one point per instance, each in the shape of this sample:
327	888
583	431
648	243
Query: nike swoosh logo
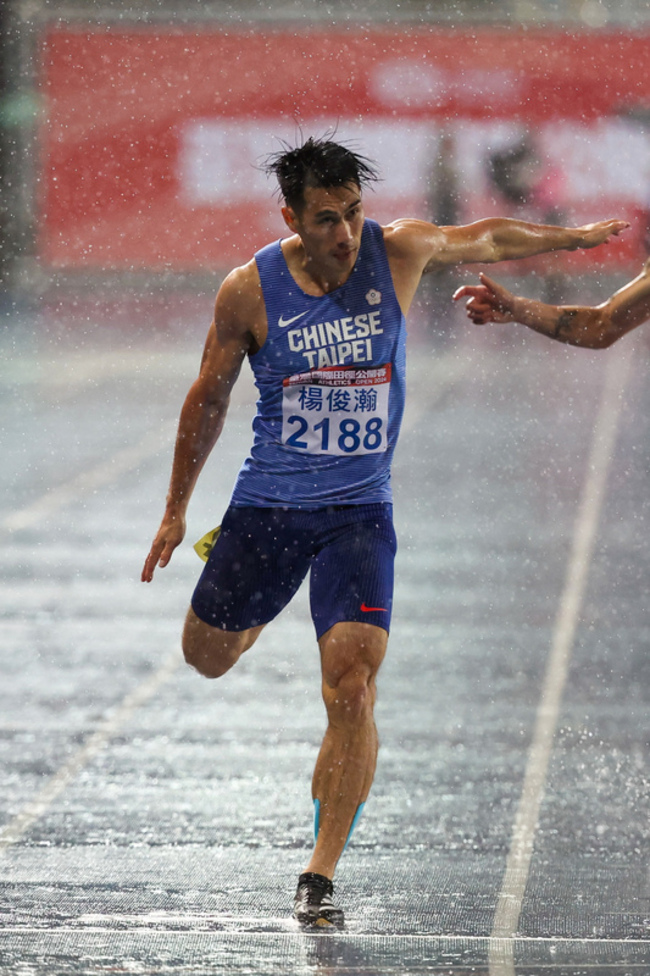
283	323
372	609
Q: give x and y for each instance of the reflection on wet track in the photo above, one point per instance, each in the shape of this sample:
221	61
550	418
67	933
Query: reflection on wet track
154	822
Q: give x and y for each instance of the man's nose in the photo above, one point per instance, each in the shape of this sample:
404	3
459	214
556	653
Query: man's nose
345	234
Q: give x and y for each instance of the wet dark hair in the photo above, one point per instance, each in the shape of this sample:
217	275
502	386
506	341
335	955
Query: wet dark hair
316	163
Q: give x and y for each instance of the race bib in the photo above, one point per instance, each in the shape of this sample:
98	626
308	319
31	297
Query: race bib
337	410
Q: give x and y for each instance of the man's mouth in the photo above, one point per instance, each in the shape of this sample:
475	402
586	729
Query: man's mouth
342	254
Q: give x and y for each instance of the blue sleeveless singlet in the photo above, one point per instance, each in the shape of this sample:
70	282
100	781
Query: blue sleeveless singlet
331	378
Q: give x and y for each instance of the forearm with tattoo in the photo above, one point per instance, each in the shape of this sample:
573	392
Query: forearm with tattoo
565	324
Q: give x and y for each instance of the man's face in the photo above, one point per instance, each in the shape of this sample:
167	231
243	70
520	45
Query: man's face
330	225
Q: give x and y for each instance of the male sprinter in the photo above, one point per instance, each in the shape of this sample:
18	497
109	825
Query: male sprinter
589	326
320	316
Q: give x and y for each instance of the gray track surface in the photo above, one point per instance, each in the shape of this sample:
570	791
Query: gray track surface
155	822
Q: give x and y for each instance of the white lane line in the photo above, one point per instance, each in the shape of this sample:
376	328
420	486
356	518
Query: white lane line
286	928
15	829
513	887
97	477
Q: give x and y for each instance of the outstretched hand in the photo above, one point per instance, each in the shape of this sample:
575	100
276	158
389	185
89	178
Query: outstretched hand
487	302
591	235
170	535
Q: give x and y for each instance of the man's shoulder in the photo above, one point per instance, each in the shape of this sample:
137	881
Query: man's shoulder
244	275
239	298
410	238
407	229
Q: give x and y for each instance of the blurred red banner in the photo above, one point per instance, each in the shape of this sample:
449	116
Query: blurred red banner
152	139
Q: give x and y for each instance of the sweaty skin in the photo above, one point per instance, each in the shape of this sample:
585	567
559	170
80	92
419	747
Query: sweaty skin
321	253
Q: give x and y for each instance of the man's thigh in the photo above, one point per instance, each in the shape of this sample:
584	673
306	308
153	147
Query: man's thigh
255	568
352	576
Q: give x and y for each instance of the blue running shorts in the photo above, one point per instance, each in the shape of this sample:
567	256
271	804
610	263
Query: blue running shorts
263	554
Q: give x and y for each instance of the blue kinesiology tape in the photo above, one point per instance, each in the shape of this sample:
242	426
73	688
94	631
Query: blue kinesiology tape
316	818
352	825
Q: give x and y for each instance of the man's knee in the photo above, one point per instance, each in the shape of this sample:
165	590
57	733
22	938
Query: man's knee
202	651
213	652
351	700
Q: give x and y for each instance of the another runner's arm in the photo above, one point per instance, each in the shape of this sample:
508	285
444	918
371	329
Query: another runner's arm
592	327
203	414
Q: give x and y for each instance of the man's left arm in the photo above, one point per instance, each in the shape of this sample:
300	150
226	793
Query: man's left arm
504	239
415	247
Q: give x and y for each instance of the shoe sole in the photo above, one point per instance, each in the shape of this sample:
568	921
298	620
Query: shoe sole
318	923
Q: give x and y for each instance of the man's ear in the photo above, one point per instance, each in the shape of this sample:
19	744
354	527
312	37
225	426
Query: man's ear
289	218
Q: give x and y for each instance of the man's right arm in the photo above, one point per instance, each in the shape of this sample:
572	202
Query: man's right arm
592	327
204	411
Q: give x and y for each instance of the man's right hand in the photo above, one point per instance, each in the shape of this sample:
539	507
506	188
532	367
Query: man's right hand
170	535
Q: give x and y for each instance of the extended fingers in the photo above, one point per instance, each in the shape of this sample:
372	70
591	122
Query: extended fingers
166	553
612	228
148	569
619	225
601	231
159	555
150	564
469	291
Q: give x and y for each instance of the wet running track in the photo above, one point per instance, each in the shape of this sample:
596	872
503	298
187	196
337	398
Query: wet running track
155	822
